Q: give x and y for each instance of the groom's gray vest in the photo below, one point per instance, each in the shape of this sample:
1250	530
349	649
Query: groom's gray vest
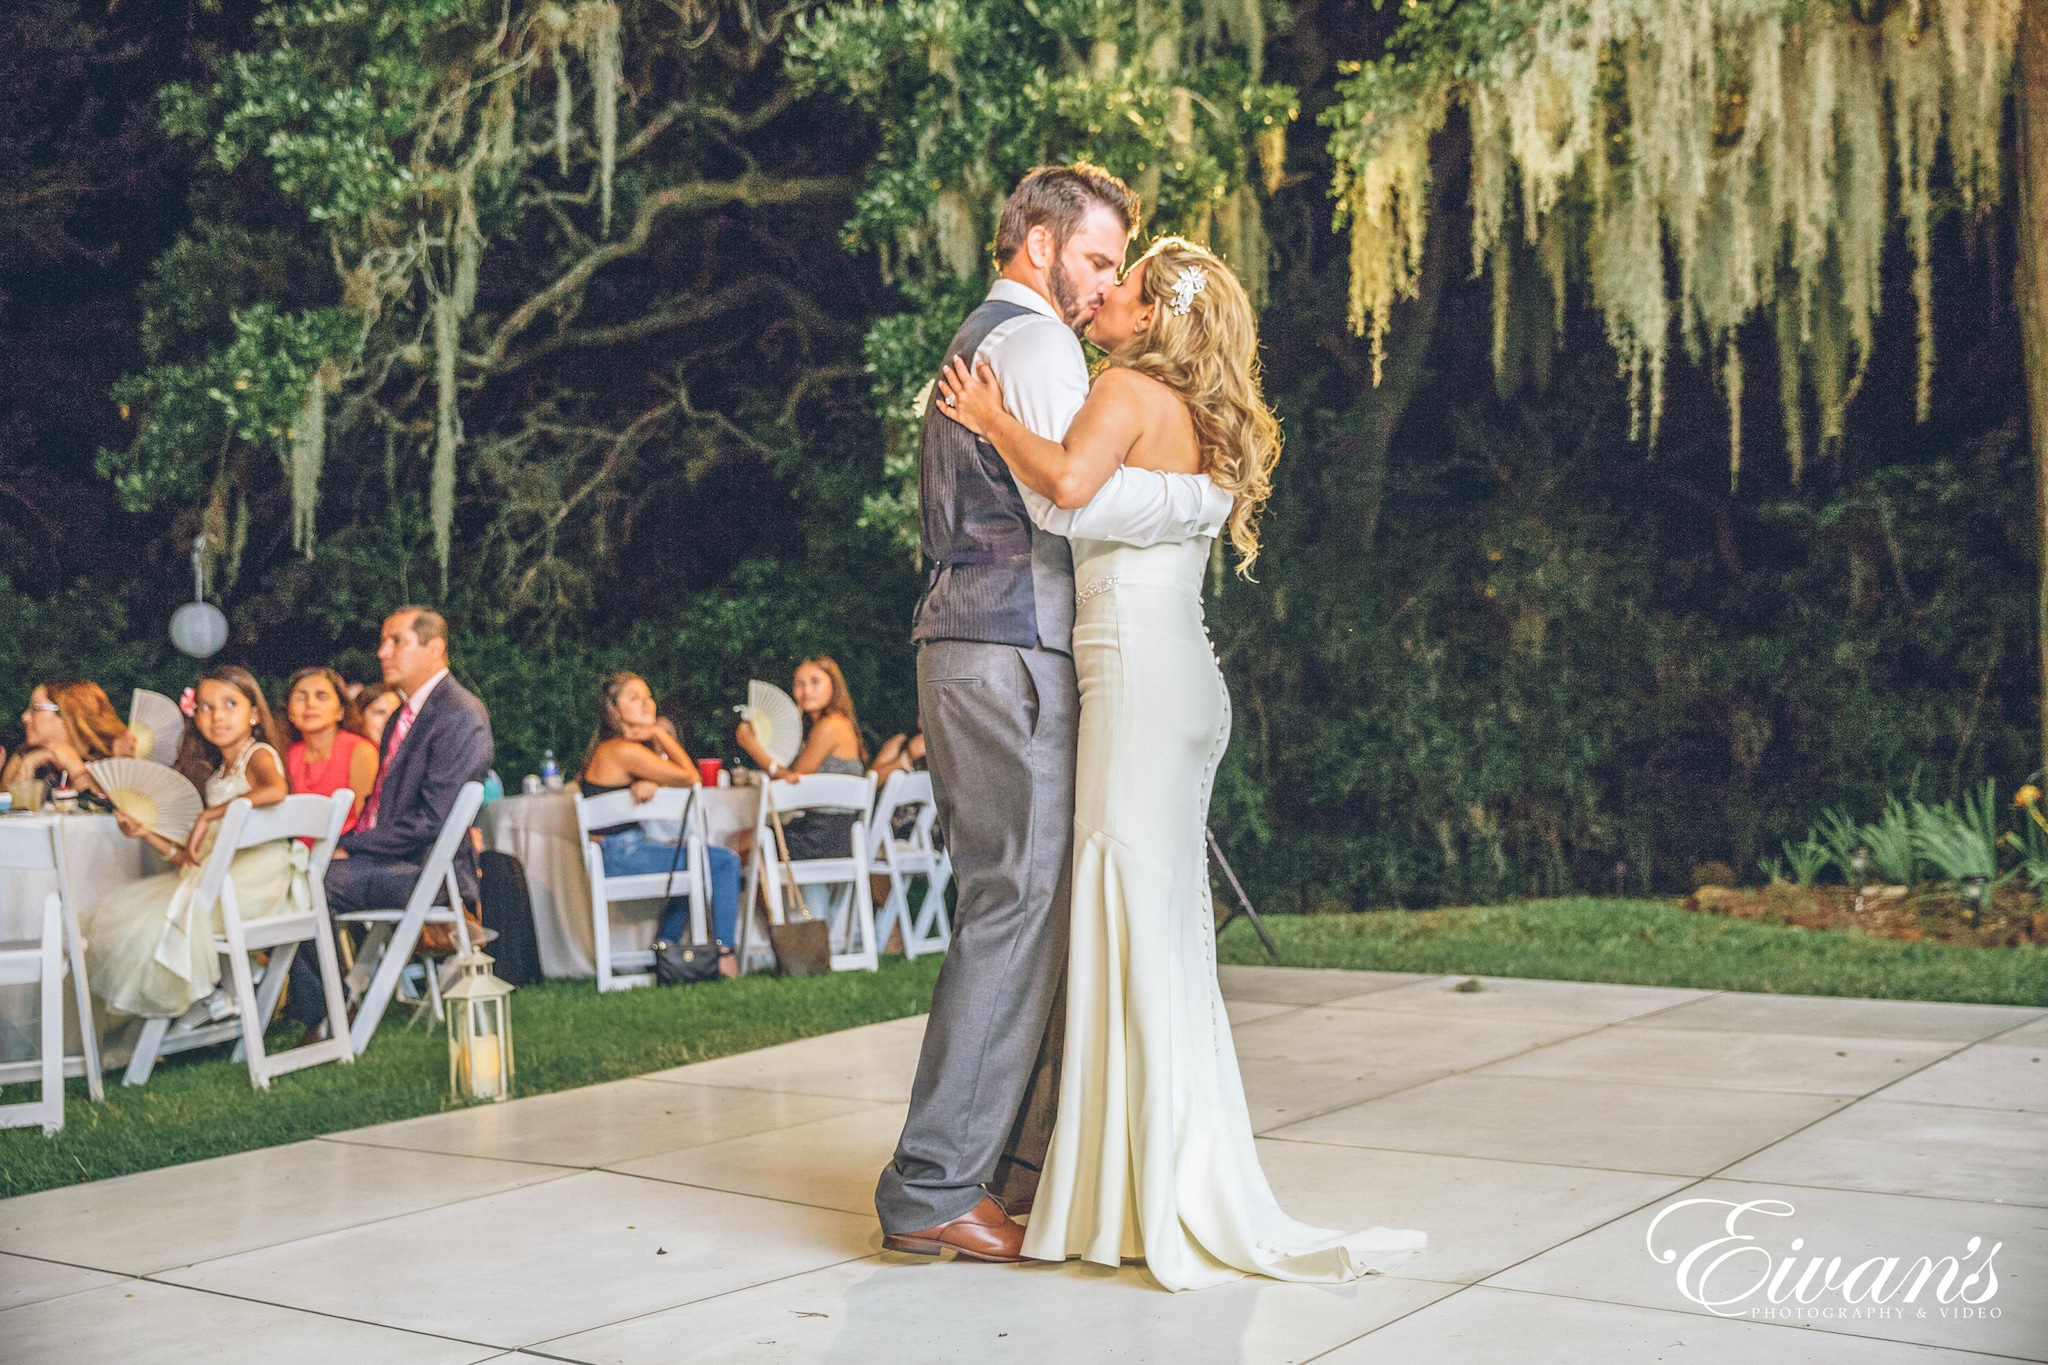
994	577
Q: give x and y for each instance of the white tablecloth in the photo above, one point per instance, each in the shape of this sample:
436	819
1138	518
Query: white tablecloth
98	858
540	831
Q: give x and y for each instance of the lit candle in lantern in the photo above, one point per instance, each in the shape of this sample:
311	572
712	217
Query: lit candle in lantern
482	1057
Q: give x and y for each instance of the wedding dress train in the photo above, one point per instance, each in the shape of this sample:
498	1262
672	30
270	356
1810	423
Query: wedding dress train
1152	1154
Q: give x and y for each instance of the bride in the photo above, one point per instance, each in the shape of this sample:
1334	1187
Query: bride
1152	1153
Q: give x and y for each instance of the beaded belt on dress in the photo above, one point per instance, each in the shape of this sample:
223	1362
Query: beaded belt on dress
1095	589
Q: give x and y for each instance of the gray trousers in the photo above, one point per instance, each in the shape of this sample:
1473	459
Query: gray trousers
1000	727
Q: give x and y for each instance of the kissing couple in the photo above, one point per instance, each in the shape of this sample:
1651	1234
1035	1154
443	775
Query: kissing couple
1074	715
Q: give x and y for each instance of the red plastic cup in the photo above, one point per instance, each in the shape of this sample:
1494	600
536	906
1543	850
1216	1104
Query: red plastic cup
707	770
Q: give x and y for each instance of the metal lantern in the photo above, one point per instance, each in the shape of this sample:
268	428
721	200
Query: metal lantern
479	1031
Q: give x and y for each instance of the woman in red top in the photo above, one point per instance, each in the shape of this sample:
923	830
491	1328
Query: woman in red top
327	749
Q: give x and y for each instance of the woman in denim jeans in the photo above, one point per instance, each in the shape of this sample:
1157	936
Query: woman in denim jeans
631	751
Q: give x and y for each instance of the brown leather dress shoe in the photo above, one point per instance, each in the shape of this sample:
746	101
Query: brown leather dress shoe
983	1233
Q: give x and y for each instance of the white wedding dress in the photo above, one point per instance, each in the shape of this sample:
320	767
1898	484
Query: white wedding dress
1152	1153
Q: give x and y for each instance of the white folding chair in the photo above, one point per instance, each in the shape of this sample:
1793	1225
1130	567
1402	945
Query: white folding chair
320	819
620	968
38	846
899	860
41	962
852	912
395	934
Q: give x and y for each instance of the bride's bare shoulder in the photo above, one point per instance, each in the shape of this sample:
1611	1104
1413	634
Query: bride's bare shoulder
1122	384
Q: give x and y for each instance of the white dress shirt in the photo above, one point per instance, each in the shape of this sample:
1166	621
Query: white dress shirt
418	697
1044	377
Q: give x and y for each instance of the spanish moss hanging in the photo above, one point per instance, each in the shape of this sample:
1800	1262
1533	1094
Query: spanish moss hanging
1749	141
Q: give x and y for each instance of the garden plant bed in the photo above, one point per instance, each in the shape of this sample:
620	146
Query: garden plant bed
2013	916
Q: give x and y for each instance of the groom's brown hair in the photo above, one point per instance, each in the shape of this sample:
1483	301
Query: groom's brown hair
1060	197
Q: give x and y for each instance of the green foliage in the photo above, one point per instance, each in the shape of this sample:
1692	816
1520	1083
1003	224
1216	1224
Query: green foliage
1960	843
1894	847
1843	837
447	175
1808	859
2030	843
968	95
252	390
84	632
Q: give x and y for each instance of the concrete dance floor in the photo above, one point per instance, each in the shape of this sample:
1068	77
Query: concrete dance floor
1534	1129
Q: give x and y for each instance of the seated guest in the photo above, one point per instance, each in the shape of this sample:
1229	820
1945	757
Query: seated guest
148	951
632	749
899	754
328	750
68	725
832	744
377	704
439	740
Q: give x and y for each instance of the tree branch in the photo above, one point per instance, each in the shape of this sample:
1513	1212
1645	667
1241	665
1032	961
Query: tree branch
679	313
751	191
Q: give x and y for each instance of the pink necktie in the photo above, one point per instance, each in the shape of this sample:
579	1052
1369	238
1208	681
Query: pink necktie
404	724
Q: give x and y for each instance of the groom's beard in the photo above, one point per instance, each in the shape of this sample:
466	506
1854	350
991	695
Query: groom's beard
1067	299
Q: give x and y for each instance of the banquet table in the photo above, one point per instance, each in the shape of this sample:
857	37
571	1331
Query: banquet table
540	831
98	859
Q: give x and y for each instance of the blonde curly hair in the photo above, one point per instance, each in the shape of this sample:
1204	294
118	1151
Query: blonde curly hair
1209	356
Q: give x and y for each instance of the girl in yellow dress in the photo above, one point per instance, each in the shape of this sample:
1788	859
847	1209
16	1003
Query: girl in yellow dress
147	952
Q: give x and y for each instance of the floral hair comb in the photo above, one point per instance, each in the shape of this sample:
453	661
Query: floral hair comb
1191	281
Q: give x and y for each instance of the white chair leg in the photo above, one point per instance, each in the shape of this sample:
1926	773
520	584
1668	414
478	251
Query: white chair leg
275	975
144	1060
253	1020
337	998
88	1028
368	958
383	983
863	915
52	1104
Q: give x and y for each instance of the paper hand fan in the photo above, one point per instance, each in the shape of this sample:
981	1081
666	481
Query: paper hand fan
778	725
157	796
157	724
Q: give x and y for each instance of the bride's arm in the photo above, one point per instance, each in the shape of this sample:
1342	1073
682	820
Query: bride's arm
1068	472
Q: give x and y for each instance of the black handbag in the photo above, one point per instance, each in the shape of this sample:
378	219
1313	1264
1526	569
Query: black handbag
508	909
683	964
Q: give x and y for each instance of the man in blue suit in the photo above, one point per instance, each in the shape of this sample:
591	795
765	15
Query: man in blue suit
439	739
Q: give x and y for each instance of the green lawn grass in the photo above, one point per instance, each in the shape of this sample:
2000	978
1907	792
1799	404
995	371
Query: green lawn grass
566	1034
1647	943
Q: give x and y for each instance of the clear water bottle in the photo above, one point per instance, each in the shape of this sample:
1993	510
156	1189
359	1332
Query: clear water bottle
550	772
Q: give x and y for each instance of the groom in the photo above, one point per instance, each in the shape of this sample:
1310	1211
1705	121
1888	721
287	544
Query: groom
995	688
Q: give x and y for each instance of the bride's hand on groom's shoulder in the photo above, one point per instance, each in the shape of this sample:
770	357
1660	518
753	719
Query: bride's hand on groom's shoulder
970	397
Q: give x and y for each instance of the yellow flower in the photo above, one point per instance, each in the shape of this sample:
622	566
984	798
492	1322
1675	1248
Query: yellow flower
2027	795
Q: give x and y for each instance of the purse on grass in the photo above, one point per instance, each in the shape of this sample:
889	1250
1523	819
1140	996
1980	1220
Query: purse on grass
803	947
683	964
